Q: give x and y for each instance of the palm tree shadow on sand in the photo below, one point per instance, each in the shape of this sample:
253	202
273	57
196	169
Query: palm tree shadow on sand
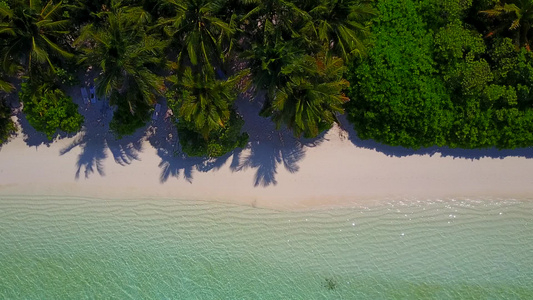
93	153
266	156
32	137
174	163
268	147
397	151
163	136
95	139
266	150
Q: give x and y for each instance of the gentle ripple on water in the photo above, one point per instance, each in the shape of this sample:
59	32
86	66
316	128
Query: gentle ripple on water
57	248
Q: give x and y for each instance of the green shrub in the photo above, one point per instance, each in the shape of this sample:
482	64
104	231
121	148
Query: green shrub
7	127
125	119
219	143
440	82
396	94
48	109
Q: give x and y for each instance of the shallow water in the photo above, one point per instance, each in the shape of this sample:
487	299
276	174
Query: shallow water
58	248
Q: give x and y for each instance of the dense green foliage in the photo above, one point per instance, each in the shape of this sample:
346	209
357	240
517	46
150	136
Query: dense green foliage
7	127
48	109
125	53
197	45
33	31
207	122
198	34
311	94
218	142
455	73
6	31
433	79
397	96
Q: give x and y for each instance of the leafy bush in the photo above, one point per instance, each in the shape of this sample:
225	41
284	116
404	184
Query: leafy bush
441	85
396	95
219	142
7	127
130	114
125	121
67	77
48	109
206	120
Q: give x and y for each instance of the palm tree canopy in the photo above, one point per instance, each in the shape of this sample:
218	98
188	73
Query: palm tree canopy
266	63
36	29
124	52
6	31
312	95
205	101
340	25
199	33
6	15
274	19
517	14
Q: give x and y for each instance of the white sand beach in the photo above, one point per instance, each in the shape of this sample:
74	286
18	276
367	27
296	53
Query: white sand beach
275	171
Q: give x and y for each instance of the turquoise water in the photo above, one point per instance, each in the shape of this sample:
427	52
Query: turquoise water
64	248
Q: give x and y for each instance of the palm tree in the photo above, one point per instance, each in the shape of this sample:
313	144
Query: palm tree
7	127
35	31
5	86
201	36
206	121
273	20
519	13
266	63
6	32
204	102
6	13
124	52
311	96
340	26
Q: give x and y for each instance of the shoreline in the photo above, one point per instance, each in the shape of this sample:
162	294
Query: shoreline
275	171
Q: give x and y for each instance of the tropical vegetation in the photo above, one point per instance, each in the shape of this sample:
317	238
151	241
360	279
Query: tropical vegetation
448	73
206	120
125	53
412	73
7	127
48	109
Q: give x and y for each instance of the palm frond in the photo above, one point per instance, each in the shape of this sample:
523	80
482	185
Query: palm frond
53	25
50	10
5	10
56	48
6	87
6	30
37	53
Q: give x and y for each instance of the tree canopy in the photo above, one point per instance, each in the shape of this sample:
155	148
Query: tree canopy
432	78
48	109
34	30
126	54
411	73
